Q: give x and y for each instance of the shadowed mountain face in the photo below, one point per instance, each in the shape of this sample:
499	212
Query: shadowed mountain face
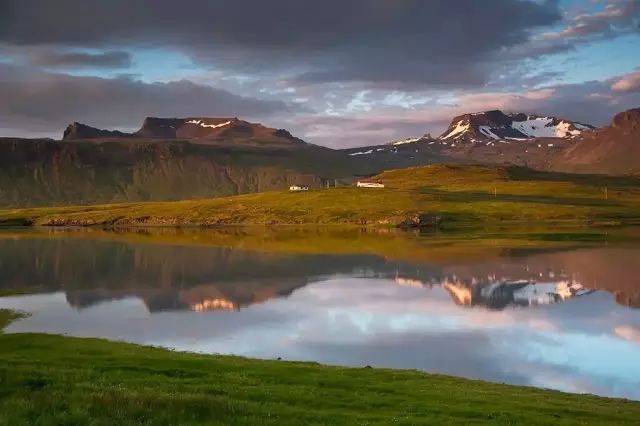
614	149
45	172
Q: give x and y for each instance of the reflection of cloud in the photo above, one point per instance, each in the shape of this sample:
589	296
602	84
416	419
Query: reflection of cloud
628	332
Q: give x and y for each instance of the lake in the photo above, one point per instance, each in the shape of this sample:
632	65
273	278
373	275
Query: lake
546	309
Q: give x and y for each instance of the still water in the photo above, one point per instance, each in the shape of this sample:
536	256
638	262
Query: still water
561	315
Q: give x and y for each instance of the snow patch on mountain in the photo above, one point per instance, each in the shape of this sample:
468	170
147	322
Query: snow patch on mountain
486	130
212	126
406	141
461	127
362	152
543	127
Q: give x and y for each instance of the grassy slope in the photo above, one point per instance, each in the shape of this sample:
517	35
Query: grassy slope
53	380
463	194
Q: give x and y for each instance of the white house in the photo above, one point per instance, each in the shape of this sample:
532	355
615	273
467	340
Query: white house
369	184
298	188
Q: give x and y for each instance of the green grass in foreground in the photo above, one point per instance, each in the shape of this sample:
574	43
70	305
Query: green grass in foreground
460	194
48	379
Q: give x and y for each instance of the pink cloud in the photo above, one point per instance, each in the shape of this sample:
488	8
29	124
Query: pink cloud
628	82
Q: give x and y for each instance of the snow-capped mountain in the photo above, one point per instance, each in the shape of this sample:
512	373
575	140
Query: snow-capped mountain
496	125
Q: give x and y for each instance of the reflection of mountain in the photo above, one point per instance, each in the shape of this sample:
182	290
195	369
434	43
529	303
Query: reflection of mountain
498	294
222	296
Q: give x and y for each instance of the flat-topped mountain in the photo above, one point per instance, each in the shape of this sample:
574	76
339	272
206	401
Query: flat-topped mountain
195	129
614	149
496	125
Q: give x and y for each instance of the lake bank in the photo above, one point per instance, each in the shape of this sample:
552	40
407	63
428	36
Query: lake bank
60	379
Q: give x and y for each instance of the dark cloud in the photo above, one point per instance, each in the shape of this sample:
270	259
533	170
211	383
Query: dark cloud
440	42
55	59
40	102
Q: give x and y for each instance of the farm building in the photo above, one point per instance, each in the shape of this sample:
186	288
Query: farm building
369	184
298	188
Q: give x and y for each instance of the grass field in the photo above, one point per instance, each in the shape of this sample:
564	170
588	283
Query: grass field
61	380
461	195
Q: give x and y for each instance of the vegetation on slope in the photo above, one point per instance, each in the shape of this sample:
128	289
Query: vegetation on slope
458	194
54	380
45	172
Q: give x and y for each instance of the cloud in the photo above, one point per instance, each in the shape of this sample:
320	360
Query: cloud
56	59
42	103
618	17
627	83
439	42
628	332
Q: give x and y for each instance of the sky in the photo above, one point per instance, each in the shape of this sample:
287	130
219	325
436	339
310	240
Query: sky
339	73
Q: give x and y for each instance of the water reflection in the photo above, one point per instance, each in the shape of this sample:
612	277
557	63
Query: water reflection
527	316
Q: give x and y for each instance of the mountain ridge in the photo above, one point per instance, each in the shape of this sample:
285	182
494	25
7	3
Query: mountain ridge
226	130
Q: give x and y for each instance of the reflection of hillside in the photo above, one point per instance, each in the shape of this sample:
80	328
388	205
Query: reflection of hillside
73	264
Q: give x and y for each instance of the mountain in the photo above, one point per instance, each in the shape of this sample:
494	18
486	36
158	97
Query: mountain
496	125
167	159
490	137
221	131
614	149
82	131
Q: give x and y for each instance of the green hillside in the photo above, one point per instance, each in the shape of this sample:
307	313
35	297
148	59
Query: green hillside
458	195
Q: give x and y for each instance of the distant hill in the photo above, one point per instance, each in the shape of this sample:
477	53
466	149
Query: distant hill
614	149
